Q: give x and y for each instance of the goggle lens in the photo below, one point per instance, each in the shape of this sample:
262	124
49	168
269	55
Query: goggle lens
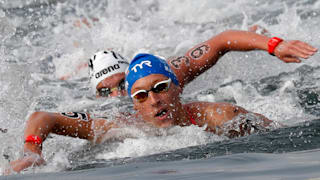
141	96
105	92
160	87
122	85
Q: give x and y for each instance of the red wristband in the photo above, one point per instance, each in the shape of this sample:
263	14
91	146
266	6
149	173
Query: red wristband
273	43
33	139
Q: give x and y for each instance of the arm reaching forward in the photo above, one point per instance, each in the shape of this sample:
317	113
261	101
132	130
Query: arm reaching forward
204	55
40	124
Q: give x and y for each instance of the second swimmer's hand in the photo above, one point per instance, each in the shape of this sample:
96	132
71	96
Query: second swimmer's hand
292	51
30	159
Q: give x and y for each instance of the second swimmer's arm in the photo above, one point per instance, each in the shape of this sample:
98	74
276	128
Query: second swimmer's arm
42	123
39	124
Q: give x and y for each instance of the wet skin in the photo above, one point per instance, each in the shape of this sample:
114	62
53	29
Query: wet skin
164	109
159	109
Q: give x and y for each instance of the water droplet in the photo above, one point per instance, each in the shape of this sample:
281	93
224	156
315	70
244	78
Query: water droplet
219	111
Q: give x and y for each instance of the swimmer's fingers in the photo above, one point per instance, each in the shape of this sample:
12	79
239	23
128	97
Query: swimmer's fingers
301	49
306	48
30	159
291	60
258	29
291	51
299	52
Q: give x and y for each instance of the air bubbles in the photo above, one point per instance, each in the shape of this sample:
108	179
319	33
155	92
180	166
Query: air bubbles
6	28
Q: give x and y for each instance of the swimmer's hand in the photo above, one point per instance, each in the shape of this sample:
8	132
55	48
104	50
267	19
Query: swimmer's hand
29	159
292	51
259	30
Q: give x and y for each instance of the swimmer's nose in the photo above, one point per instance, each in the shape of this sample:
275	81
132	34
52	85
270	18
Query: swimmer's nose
153	98
118	93
123	93
115	94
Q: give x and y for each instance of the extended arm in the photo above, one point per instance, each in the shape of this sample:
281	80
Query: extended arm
203	56
41	124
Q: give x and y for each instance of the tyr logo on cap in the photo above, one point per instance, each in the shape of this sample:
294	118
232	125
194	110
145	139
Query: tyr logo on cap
148	63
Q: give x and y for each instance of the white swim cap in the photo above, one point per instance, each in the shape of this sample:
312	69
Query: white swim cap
104	64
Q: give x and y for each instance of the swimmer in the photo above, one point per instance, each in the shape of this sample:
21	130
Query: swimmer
155	91
185	68
106	73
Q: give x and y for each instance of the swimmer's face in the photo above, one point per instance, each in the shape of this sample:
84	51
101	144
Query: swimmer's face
112	86
160	106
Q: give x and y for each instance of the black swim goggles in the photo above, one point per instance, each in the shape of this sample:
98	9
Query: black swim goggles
142	94
105	92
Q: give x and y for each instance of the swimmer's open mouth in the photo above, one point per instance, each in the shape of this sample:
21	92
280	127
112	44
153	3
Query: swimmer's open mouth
161	113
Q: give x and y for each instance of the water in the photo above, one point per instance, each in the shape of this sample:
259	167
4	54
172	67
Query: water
44	40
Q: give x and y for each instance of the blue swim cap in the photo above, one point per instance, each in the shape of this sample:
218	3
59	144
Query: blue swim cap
144	65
